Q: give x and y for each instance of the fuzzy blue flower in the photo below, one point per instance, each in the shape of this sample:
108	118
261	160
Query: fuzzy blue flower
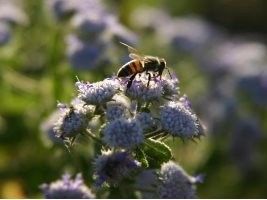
170	85
67	188
180	121
140	91
97	93
123	133
175	183
146	120
111	167
116	110
73	120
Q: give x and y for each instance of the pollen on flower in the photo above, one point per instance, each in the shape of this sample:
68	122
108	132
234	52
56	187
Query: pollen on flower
67	188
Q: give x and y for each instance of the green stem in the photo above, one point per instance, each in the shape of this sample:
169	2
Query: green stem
153	134
93	136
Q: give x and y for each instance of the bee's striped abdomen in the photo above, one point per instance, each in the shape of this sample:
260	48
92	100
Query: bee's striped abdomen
132	67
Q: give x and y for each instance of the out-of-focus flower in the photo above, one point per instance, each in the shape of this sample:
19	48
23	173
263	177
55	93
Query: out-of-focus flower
255	87
180	121
112	167
4	34
234	56
175	183
99	92
94	31
144	17
243	148
120	33
123	133
67	188
89	26
189	34
85	55
65	8
10	13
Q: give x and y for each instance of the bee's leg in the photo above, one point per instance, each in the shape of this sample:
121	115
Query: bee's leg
131	81
149	78
169	72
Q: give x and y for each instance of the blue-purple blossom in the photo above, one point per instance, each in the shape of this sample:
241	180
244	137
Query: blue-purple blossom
170	85
119	32
99	92
89	26
73	120
146	182
4	33
245	138
234	56
254	87
47	127
140	91
65	8
123	133
67	188
146	120
190	34
112	167
175	183
116	110
84	55
180	121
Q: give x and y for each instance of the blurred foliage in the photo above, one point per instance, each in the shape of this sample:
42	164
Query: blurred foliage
35	73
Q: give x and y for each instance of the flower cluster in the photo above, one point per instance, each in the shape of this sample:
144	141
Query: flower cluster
130	123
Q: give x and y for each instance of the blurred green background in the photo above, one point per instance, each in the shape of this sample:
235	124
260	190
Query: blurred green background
35	73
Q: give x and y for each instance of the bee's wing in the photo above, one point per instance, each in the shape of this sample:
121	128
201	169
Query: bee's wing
130	49
135	56
133	53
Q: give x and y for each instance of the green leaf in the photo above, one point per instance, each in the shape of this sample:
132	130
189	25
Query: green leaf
156	153
141	157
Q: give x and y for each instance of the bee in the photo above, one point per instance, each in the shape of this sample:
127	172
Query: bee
140	64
